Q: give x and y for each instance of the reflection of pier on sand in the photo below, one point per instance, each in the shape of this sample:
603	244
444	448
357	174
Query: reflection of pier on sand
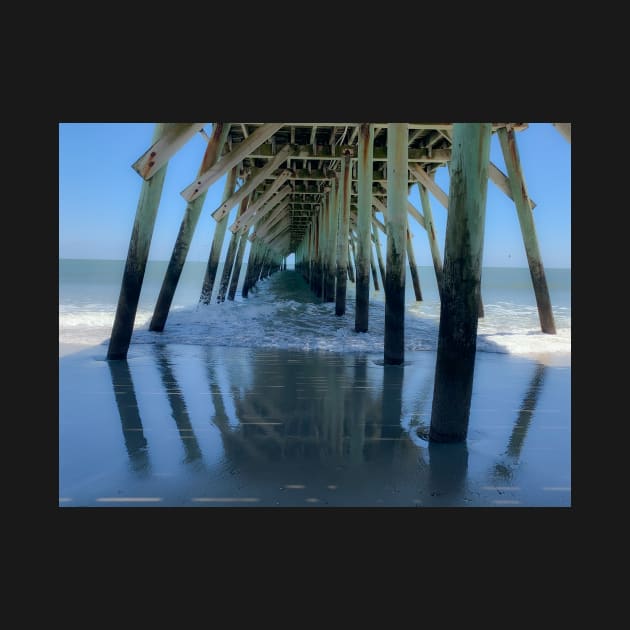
283	428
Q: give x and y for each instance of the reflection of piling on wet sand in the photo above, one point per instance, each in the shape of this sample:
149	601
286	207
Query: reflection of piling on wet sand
133	433
523	421
178	408
319	413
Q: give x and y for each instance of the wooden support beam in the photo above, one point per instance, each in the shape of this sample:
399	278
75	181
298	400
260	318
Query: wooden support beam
319	175
137	256
422	176
364	220
411	209
331	249
457	337
269	233
396	225
252	183
374	272
238	263
230	160
229	257
431	234
245	220
502	182
272	205
352	256
528	229
564	129
342	236
186	231
252	262
324	152
413	135
262	227
413	268
377	247
217	242
160	152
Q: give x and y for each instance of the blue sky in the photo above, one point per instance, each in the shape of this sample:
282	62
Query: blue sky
98	194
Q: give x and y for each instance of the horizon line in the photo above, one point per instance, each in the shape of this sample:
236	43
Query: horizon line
222	261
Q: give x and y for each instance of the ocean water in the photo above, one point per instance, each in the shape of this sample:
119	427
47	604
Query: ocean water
282	313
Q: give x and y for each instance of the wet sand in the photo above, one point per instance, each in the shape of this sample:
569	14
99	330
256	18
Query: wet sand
193	426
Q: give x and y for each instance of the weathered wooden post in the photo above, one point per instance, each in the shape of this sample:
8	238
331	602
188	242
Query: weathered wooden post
332	242
229	256
396	225
379	255
352	256
463	254
317	264
413	268
252	263
430	229
342	235
238	264
187	229
137	256
528	229
364	223
217	241
374	272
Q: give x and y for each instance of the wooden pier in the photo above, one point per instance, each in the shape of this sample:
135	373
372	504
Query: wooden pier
327	193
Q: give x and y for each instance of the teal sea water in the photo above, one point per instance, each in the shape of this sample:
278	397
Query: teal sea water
281	312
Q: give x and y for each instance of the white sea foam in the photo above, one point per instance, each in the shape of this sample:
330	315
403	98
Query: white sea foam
270	318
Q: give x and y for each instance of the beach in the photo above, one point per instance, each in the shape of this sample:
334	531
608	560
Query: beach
272	401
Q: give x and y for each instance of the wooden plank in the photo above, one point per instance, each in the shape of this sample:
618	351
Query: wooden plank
160	152
411	209
264	203
279	214
326	152
501	180
421	175
268	198
412	125
263	227
564	129
457	337
228	161
252	183
280	228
